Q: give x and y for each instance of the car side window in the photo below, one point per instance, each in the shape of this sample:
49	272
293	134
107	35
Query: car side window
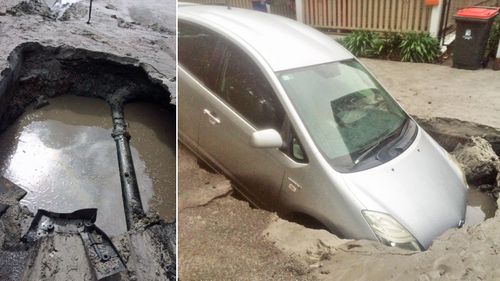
202	51
244	87
292	145
297	152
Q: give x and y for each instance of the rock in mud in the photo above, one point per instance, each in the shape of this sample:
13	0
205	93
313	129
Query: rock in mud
111	7
15	222
41	101
478	160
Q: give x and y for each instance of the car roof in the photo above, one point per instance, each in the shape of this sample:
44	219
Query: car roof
282	42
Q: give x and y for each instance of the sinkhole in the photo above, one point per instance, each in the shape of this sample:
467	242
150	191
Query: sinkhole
482	194
56	131
450	133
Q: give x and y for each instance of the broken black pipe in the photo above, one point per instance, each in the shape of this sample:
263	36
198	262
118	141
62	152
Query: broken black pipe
130	189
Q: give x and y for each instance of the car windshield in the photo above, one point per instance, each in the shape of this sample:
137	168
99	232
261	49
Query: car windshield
345	110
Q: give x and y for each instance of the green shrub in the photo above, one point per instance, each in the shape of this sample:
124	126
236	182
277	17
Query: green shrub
388	46
419	47
494	37
411	46
361	43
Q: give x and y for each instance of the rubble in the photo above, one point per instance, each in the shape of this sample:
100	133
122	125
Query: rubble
449	132
479	162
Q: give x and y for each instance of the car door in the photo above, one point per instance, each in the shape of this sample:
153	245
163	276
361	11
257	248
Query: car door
243	103
198	63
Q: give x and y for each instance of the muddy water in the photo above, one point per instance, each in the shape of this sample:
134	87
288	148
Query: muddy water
480	206
64	156
152	128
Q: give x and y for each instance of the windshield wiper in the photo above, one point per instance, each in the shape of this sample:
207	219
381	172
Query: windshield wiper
386	138
367	151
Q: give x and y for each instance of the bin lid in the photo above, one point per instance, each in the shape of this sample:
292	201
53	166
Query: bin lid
477	12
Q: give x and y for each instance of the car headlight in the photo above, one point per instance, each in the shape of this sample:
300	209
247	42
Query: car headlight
389	232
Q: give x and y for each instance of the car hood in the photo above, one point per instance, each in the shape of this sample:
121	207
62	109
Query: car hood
421	188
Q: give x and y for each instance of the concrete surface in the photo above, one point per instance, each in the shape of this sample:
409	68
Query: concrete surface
431	90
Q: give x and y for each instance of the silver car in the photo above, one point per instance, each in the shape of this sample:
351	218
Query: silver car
301	127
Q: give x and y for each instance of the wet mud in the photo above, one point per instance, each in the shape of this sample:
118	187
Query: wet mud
116	51
56	143
64	156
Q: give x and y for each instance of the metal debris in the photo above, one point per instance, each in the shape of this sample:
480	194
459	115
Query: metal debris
101	252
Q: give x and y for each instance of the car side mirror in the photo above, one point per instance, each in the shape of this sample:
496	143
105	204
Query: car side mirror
268	138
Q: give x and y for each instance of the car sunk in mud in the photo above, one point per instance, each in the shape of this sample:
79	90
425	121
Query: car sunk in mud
301	127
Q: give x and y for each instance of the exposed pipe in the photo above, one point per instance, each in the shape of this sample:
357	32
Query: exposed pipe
443	21
445	25
130	189
90	12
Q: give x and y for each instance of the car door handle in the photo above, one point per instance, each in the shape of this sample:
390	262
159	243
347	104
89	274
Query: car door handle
211	117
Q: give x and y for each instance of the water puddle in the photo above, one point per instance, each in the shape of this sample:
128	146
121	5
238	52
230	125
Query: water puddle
64	156
152	128
480	206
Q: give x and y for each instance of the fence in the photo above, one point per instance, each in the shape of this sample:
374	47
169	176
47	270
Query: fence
283	7
233	3
379	15
279	7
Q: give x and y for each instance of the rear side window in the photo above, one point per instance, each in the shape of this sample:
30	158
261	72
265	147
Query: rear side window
230	73
200	52
243	86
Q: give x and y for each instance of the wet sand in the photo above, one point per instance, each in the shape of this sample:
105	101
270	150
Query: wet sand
64	156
